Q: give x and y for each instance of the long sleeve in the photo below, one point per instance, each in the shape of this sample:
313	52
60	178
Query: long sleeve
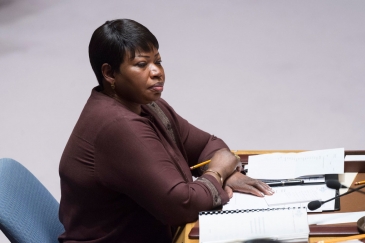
139	166
198	144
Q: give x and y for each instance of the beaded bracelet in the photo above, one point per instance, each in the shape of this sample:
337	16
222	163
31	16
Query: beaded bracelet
215	172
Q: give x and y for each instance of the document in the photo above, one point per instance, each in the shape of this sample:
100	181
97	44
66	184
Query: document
299	194
347	180
284	197
355	158
248	201
294	165
335	218
283	224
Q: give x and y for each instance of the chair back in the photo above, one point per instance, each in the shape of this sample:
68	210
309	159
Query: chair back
28	211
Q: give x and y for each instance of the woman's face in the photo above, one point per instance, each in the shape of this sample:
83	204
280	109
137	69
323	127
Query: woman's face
140	80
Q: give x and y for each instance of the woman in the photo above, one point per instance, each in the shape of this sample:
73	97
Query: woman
125	173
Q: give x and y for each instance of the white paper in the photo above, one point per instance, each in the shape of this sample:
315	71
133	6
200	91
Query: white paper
335	218
248	201
245	201
299	194
293	165
346	179
354	158
230	226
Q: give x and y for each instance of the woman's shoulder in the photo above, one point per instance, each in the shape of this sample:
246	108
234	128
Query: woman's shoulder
104	111
102	105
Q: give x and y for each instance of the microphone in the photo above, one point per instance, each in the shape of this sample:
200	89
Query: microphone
334	184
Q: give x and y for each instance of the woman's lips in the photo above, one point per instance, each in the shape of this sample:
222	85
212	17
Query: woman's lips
157	87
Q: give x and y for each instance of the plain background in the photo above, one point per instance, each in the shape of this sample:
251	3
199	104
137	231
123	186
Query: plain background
258	74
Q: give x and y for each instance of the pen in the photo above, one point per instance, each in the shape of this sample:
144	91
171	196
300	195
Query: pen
200	164
207	162
285	183
359	182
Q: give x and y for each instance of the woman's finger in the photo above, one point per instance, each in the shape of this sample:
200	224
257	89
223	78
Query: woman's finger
250	190
261	186
243	183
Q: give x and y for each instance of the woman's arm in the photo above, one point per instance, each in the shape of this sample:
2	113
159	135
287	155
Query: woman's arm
131	159
198	144
201	146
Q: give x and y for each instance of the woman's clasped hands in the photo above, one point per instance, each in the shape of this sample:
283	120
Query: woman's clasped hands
226	168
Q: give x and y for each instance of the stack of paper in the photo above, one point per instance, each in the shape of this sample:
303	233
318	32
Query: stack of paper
283	224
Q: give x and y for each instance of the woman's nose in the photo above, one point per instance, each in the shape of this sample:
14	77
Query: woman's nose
156	71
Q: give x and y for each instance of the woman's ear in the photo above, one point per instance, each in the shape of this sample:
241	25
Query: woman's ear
108	73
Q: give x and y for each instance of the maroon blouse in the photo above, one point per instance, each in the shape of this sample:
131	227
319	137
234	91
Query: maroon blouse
126	177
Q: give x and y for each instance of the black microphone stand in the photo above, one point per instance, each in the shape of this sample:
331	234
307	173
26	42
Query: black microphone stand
317	204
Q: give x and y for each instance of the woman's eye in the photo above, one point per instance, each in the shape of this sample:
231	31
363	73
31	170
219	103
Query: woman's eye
141	64
159	62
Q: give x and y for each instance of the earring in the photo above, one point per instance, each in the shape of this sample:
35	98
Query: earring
113	86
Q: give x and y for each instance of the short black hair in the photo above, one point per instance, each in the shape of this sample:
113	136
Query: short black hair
112	40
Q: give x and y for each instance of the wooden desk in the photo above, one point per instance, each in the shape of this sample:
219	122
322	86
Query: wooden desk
348	203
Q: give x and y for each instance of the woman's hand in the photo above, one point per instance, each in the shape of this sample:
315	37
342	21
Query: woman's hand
225	163
239	182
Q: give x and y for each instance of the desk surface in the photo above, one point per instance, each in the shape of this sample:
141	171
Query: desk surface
348	203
